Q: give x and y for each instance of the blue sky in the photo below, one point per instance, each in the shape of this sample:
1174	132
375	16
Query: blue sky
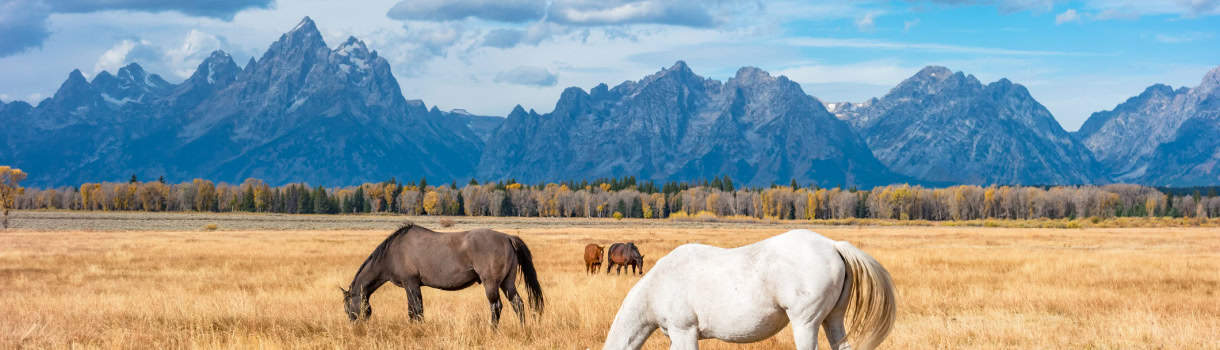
1076	57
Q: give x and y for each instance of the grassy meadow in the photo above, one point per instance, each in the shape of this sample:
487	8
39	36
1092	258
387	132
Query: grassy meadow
140	280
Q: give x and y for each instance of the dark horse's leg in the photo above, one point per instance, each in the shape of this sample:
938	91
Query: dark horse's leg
415	300
609	265
509	286
633	271
493	297
619	270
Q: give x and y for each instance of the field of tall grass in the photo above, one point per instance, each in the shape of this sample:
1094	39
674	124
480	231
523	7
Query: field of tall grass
66	284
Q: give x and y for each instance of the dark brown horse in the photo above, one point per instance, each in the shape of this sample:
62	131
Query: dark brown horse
624	254
415	256
593	257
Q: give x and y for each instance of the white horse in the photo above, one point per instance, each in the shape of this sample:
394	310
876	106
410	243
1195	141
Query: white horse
747	294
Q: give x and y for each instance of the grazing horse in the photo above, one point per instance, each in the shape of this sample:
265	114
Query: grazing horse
593	257
624	254
749	293
414	256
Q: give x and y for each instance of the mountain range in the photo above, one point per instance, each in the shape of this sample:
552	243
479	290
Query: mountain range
675	125
1163	136
301	112
944	126
304	112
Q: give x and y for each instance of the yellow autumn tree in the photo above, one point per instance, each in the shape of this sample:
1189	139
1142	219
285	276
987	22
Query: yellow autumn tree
430	203
713	199
1151	205
388	195
658	204
205	196
989	199
10	188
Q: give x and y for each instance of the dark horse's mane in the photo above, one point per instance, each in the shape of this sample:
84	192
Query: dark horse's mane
380	251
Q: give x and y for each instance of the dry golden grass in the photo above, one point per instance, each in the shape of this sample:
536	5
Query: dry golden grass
958	287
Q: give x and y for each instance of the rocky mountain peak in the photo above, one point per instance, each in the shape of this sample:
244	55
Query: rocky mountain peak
103	78
131	84
934	72
1157	90
218	69
303	39
934	79
1211	81
352	45
599	91
517	112
76	80
1004	87
679	66
73	90
353	54
678	71
133	73
305	30
752	75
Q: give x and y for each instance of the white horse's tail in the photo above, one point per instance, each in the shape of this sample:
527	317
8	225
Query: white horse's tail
871	307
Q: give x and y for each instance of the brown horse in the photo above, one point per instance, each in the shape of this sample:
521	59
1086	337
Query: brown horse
415	256
593	257
625	254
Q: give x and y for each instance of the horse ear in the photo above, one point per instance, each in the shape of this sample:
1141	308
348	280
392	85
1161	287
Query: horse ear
343	290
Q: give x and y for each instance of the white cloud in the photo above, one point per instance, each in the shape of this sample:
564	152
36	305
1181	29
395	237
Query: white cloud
907	25
888	73
531	35
436	38
682	13
1182	38
527	75
196	47
448	10
1127	9
574	12
890	45
1109	14
867	21
1105	9
115	57
1067	16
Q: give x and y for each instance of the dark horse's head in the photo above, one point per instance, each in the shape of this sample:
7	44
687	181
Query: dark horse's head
636	256
368	278
356	306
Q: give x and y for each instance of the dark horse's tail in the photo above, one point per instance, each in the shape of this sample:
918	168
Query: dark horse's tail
526	260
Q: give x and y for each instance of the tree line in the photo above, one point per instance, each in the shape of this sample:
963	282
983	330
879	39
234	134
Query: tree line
627	197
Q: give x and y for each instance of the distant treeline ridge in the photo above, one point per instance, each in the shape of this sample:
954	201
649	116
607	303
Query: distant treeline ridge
625	197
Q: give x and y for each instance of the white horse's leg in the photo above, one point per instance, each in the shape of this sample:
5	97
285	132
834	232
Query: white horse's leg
805	321
805	335
683	339
833	324
835	332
